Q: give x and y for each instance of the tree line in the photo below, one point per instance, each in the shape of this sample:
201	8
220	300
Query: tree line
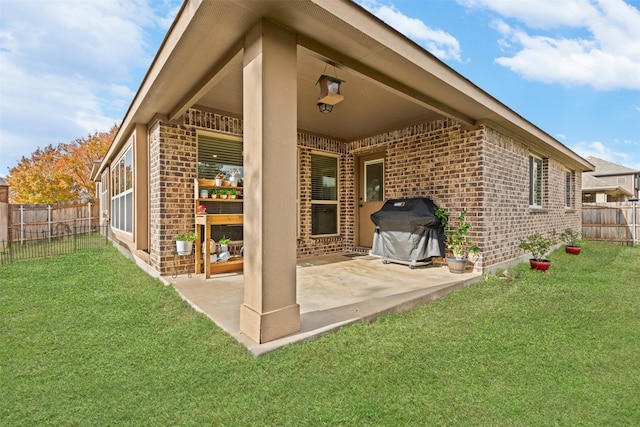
59	174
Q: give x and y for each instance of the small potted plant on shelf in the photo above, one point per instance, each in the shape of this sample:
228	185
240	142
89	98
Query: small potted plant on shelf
538	246
233	178
184	242
571	238
224	244
233	193
458	240
214	193
218	179
224	193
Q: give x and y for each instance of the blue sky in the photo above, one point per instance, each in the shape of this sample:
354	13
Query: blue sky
69	68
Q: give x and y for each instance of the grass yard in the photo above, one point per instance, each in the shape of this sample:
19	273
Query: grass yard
89	339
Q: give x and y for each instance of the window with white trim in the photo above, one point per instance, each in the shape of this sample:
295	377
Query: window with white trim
535	181
122	195
104	191
324	195
569	180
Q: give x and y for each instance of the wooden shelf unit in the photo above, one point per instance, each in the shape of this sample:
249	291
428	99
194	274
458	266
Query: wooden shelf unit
206	220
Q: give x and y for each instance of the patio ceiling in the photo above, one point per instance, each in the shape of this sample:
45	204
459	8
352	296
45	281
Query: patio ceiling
368	108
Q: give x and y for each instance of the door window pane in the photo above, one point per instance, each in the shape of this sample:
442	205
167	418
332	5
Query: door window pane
374	181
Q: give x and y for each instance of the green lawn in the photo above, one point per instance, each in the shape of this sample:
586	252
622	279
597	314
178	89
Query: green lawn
89	339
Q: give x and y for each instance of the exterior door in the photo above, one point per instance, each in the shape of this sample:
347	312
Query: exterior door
370	195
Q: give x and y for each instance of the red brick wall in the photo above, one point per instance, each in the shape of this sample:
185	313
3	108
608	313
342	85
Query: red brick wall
172	168
507	218
480	169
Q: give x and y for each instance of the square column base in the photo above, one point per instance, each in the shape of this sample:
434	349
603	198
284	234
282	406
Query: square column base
265	327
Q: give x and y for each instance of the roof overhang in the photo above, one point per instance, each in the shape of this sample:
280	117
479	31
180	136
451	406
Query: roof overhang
390	80
612	190
95	171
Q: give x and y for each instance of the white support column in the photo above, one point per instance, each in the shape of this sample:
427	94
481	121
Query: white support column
270	310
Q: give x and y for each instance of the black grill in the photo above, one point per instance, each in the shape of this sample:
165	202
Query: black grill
408	232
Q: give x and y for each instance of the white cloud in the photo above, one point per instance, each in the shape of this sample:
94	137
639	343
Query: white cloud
540	13
582	42
608	152
69	68
440	43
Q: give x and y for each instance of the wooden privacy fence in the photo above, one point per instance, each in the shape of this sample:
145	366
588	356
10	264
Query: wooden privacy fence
610	222
41	231
51	220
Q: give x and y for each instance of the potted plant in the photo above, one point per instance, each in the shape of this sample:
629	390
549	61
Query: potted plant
224	193
538	245
571	238
184	242
232	193
233	178
224	244
218	179
214	193
458	240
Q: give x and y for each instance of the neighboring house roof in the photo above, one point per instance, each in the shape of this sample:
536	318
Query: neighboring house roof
390	80
2	181
591	184
604	168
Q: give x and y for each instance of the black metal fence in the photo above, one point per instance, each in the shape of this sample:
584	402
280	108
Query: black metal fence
26	245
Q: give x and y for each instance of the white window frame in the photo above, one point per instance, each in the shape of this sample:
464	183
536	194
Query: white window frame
105	185
335	202
122	193
569	189
536	181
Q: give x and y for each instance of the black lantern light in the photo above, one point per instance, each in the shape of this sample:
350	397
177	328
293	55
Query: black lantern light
325	108
329	93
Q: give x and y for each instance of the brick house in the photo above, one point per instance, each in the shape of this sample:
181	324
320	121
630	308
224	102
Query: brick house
240	77
609	182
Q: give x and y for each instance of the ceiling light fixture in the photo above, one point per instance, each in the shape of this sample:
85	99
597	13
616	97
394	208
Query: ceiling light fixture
325	108
329	92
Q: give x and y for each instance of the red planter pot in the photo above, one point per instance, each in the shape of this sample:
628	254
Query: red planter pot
542	265
573	250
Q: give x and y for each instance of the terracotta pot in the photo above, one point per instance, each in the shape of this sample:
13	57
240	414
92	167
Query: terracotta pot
540	264
573	250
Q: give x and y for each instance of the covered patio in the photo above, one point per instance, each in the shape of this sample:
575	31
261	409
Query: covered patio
408	125
332	290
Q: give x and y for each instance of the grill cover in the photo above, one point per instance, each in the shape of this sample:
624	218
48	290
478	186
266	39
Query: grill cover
408	230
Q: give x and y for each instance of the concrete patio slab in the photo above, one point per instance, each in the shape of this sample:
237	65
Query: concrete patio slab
333	291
